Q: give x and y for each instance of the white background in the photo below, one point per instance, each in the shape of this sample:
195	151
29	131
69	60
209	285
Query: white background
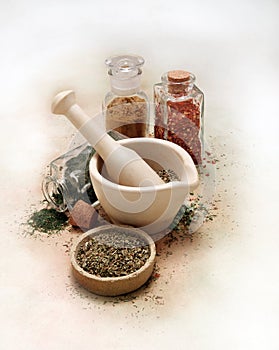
227	296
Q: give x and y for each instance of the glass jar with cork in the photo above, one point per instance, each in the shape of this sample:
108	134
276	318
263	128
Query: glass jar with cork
126	106
179	107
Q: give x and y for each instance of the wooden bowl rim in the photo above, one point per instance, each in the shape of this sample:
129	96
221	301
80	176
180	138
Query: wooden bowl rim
99	229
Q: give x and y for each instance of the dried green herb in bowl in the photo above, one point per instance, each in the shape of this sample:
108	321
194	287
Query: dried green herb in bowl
112	260
113	253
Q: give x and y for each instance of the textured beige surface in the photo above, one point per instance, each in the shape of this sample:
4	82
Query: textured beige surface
221	290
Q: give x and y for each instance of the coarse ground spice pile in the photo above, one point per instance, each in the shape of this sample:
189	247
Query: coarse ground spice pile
112	254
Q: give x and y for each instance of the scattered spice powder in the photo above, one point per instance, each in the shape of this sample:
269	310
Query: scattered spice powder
189	213
47	221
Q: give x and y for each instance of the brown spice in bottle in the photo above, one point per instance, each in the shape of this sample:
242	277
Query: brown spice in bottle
127	115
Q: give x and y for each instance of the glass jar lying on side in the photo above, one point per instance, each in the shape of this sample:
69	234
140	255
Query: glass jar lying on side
179	107
68	180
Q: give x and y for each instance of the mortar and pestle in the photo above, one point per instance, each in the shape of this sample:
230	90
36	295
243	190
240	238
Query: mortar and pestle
123	173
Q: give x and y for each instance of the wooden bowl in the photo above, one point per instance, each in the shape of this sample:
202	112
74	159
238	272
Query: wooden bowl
112	286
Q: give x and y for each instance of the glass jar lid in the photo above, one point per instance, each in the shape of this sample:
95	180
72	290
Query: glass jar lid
124	66
124	72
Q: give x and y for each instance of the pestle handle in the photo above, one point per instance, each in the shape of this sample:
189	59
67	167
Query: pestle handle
124	166
65	103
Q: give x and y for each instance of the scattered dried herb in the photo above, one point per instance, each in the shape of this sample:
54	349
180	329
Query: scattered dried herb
112	254
47	221
191	213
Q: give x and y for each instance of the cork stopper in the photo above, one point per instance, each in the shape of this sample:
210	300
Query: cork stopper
178	76
83	215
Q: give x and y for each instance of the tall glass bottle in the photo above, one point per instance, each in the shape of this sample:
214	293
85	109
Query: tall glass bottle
179	108
126	106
